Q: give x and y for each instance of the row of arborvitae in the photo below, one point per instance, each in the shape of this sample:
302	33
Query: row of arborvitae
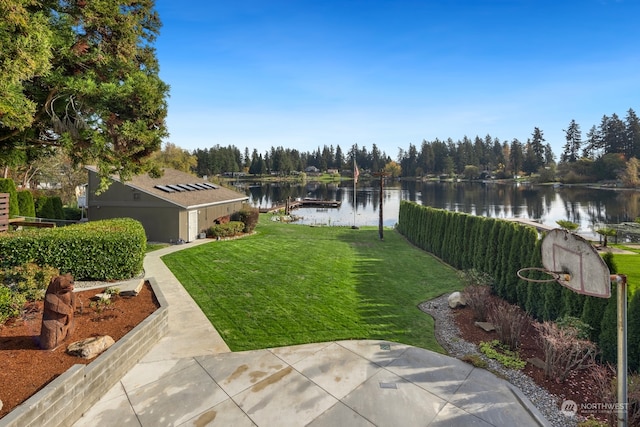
101	250
23	203
566	343
500	248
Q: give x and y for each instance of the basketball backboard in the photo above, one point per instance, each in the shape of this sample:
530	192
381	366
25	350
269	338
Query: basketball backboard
577	263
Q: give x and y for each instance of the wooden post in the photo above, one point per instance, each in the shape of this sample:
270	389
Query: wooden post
381	175
4	211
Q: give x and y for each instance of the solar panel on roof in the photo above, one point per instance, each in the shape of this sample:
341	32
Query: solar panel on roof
165	188
210	185
185	187
175	187
200	186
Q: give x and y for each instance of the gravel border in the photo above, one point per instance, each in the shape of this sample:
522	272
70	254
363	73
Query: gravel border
448	335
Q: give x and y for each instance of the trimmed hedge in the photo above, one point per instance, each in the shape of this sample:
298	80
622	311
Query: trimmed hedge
101	250
500	248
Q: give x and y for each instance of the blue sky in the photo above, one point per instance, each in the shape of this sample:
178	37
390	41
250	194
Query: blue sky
304	74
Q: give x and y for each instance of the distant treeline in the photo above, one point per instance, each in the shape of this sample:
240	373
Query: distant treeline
599	156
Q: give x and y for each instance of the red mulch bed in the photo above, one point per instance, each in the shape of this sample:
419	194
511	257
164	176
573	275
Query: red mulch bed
579	387
26	368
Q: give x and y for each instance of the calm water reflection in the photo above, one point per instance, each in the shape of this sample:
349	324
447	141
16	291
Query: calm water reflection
586	206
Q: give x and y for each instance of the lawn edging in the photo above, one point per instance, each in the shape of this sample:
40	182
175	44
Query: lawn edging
65	399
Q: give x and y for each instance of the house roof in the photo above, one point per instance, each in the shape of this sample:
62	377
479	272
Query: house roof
182	189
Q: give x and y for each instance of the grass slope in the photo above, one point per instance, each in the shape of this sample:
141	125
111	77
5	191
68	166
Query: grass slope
290	284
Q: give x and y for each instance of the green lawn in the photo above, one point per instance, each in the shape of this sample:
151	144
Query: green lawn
629	265
292	284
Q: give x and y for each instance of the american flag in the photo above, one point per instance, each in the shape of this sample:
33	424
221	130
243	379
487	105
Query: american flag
356	172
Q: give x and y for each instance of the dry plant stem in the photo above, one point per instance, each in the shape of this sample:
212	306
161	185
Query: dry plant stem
564	351
508	319
477	298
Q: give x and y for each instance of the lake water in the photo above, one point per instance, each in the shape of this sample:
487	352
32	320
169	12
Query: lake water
589	207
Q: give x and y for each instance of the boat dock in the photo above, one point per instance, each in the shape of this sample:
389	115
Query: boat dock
304	203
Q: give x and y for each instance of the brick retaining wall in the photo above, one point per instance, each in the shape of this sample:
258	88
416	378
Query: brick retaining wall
63	401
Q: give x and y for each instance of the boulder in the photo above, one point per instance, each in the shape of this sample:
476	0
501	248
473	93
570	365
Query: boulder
487	326
59	306
91	347
456	300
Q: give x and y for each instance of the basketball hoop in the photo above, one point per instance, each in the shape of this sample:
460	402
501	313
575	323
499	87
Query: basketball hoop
555	276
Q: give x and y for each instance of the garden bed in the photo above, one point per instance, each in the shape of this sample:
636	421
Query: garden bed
54	382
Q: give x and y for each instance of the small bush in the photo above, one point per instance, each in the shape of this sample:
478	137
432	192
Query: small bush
508	319
249	217
229	229
7	185
11	304
30	280
477	298
497	351
606	385
582	329
26	204
72	214
564	352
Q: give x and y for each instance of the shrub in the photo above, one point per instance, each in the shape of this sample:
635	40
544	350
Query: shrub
564	352
604	378
11	304
100	250
497	351
583	330
229	229
72	214
45	207
248	216
29	279
477	298
57	207
633	340
509	320
26	204
8	186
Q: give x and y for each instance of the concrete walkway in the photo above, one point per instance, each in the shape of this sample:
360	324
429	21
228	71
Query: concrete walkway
190	378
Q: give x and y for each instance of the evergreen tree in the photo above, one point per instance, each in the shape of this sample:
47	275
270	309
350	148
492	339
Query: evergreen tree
516	157
633	333
608	338
613	131
537	144
8	186
573	136
632	124
552	301
99	97
594	144
26	204
592	312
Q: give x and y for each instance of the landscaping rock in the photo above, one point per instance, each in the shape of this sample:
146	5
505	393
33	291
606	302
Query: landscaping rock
456	300
91	347
537	362
487	326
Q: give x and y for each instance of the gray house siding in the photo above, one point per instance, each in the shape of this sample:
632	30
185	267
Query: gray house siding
163	220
